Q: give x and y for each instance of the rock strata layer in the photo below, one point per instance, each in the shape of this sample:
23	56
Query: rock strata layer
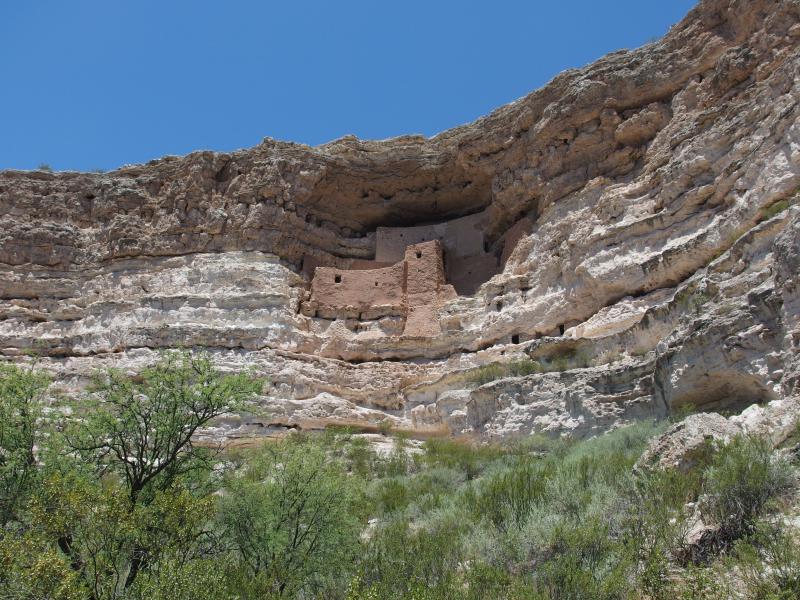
638	245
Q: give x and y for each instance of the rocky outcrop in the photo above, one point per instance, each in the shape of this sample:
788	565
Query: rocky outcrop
641	237
693	439
688	443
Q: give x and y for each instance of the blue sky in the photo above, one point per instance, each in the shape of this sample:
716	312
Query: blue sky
94	84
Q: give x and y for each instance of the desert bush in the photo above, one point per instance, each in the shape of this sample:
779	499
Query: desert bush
594	472
487	373
524	366
507	497
743	477
680	412
775	208
31	568
359	457
703	582
404	561
97	530
769	563
514	368
656	523
471	459
488	581
390	495
385	427
586	562
398	463
291	521
175	579
92	526
435	487
566	359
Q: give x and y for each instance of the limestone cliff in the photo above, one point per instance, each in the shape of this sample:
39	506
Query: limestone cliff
632	227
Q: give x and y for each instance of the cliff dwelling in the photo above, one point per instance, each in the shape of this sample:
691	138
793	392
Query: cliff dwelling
414	271
630	232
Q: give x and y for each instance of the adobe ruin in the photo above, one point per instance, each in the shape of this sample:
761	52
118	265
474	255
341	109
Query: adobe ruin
415	270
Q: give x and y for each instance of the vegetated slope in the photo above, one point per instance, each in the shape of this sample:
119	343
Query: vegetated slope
644	209
114	501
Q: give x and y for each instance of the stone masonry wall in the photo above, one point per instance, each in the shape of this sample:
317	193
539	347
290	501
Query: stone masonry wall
426	288
365	294
413	288
459	237
467	259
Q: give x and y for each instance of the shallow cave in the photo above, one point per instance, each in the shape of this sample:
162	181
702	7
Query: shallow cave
468	257
400	202
728	392
402	192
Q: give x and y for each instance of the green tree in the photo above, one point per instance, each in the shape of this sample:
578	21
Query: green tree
290	519
91	524
97	530
139	432
33	569
21	392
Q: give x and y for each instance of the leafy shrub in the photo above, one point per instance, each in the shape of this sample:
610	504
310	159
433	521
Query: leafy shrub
398	463
701	582
488	581
487	373
31	568
360	457
775	208
176	579
656	523
524	366
569	359
391	495
434	487
469	458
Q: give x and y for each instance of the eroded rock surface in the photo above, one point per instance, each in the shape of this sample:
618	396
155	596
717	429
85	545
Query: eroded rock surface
640	234
689	442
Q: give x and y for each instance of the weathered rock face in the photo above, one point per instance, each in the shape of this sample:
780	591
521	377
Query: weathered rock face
641	242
